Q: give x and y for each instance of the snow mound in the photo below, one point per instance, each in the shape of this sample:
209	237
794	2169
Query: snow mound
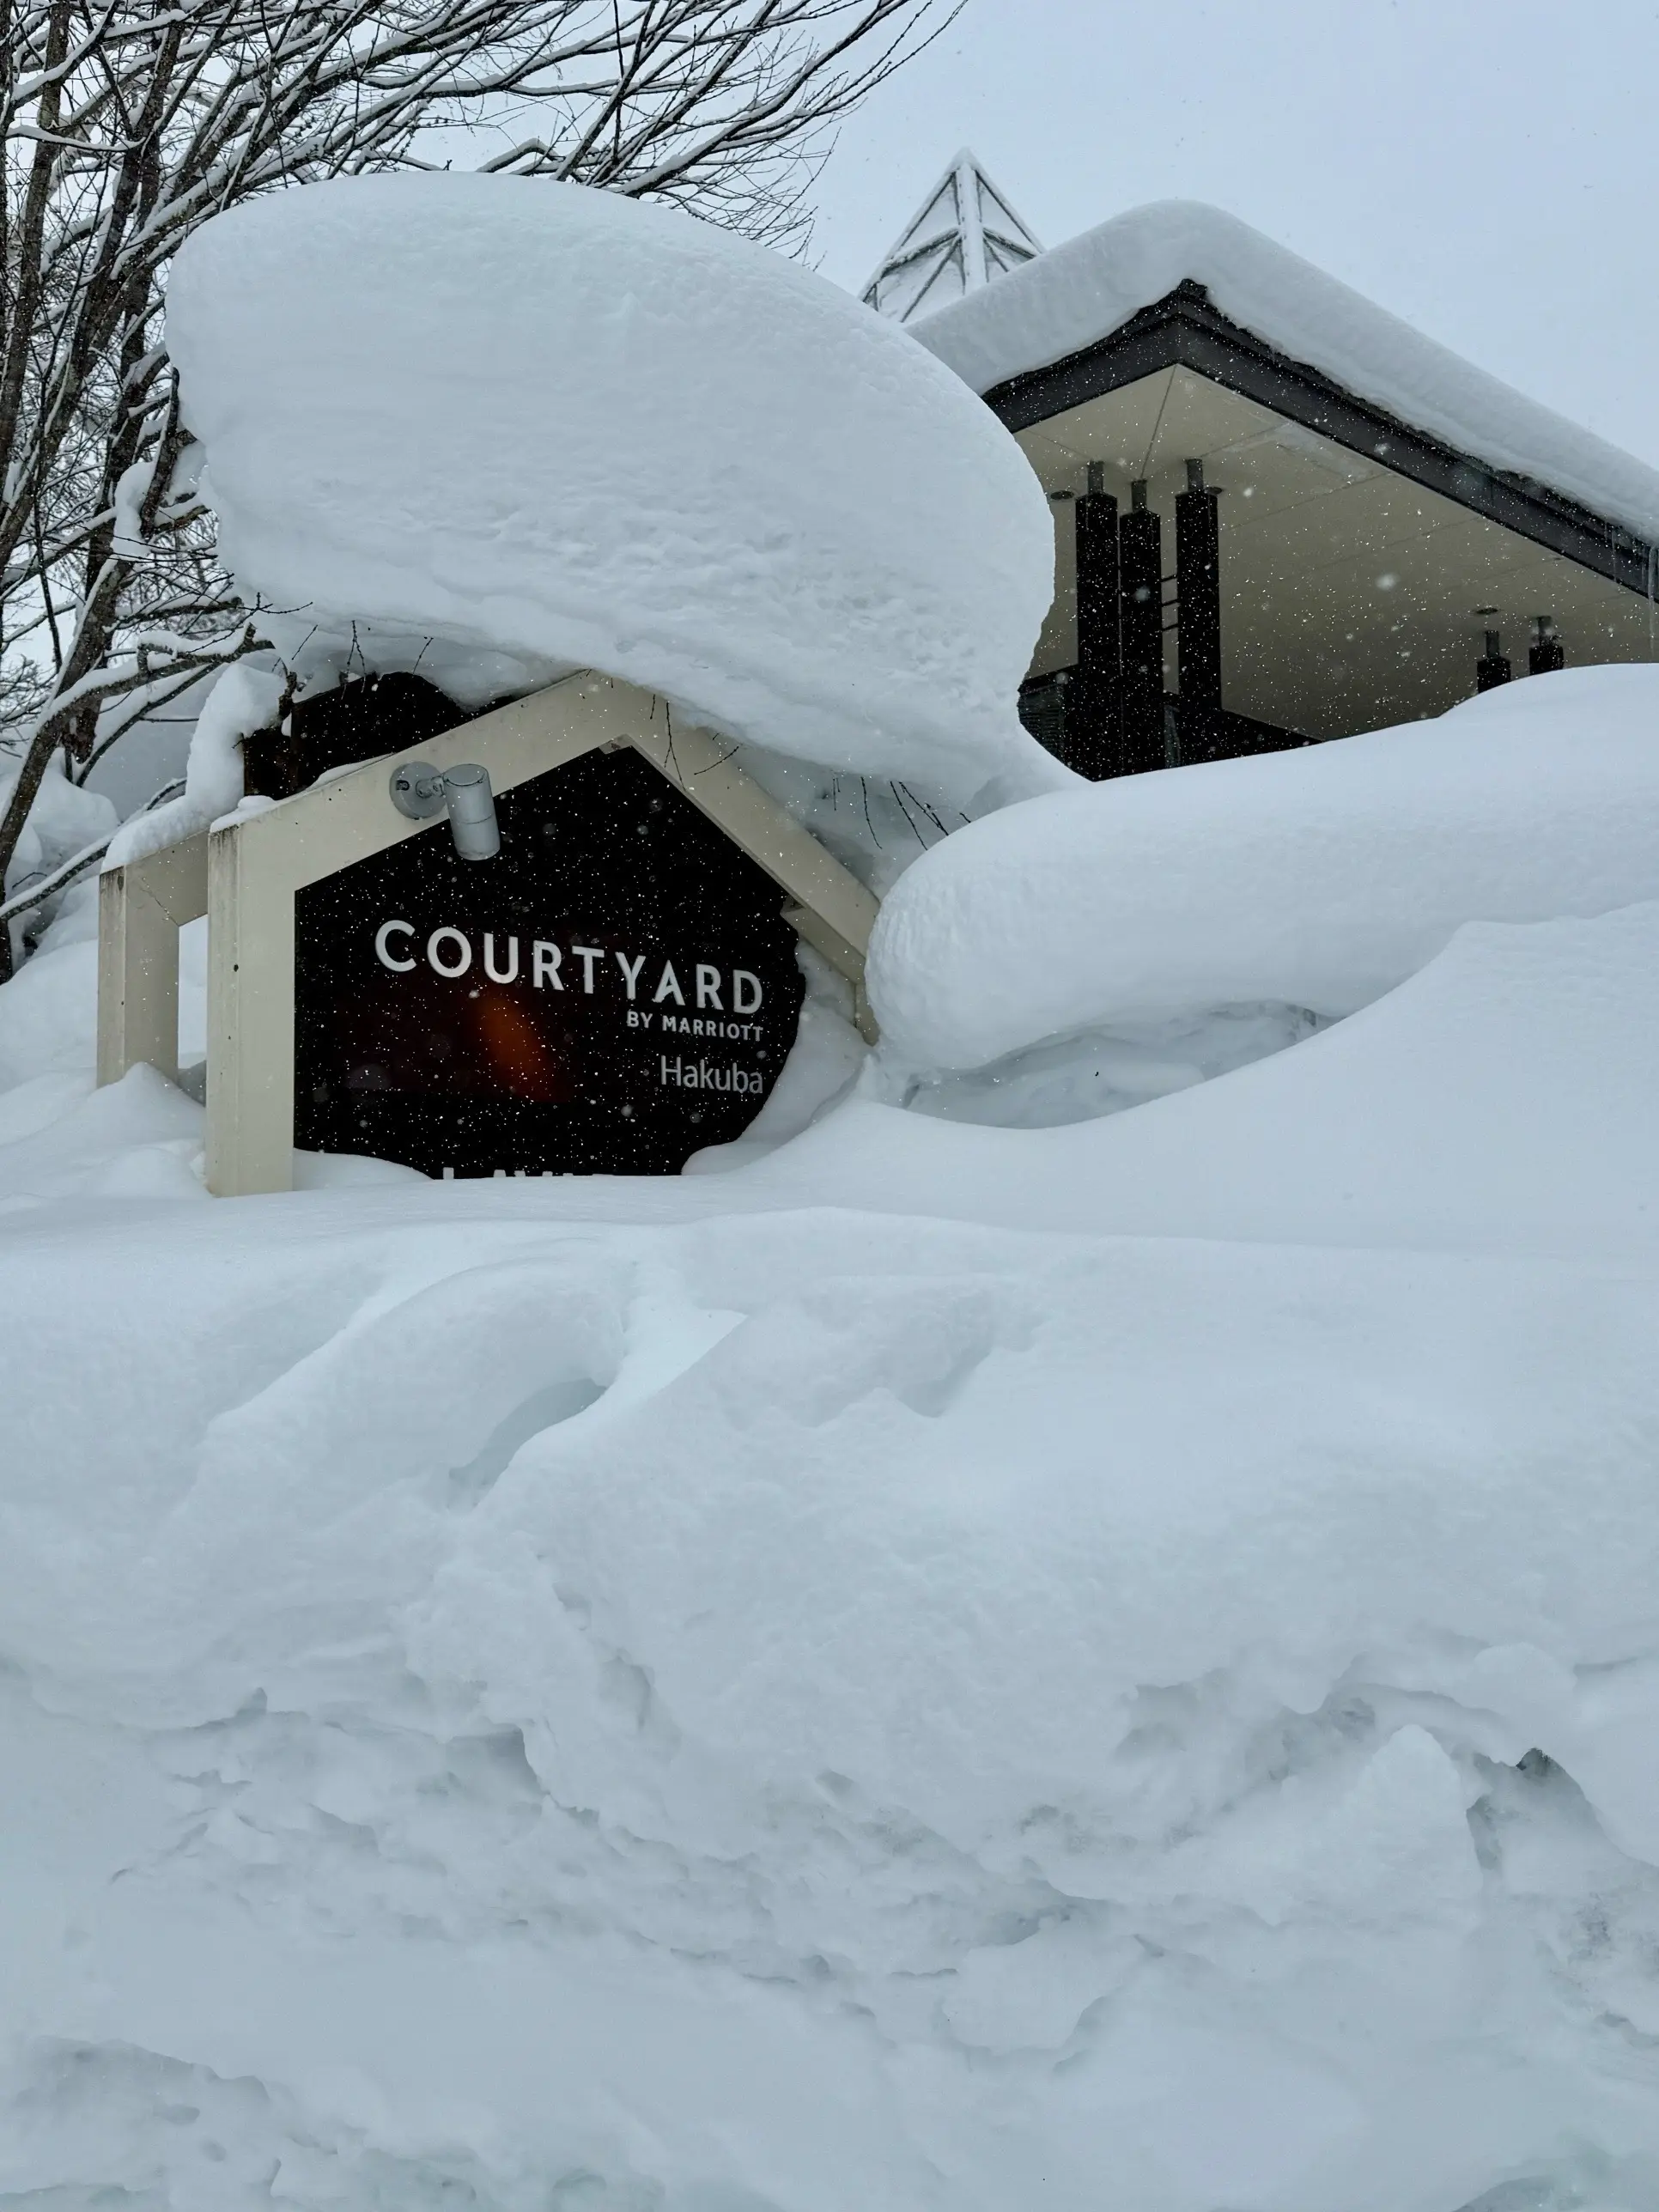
537	420
49	1008
49	1016
1318	878
1501	1099
837	1710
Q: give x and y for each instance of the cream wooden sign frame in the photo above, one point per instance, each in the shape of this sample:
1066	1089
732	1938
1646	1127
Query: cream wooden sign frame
245	876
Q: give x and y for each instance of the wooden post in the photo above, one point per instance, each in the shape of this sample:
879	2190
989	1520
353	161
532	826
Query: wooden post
250	1070
141	906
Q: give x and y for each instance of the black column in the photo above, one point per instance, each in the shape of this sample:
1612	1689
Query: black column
1092	742
1546	654
1140	625
1491	668
1198	616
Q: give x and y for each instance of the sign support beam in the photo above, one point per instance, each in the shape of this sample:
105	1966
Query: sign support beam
141	906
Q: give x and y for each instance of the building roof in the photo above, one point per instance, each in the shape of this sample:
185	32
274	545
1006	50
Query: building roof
1075	296
963	235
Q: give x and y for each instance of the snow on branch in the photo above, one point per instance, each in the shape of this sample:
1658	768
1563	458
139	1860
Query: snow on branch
35	894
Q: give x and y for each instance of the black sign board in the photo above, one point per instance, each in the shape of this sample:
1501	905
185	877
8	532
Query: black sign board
615	990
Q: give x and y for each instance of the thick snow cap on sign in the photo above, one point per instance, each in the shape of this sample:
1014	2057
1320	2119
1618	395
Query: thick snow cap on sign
540	420
1318	878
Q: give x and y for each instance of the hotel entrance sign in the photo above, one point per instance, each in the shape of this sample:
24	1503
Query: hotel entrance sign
614	990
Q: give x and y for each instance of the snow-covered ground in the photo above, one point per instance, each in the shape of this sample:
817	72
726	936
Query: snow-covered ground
948	1666
1081	1631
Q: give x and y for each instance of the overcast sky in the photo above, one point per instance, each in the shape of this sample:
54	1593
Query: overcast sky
1490	172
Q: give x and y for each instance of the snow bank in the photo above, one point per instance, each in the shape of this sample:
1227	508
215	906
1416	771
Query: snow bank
533	419
49	1015
1318	878
835	1710
804	1687
1501	1100
1079	293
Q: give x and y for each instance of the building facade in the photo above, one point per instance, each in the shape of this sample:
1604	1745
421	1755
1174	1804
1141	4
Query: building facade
1281	514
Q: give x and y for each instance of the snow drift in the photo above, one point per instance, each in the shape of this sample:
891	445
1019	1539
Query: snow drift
531	419
853	1681
1317	878
1500	1100
836	1709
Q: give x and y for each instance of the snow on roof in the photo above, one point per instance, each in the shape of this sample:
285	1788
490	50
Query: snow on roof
964	233
1079	293
531	419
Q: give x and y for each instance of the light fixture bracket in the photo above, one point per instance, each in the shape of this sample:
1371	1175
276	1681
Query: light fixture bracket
417	790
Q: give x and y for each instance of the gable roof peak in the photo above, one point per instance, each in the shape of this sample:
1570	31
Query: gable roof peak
964	233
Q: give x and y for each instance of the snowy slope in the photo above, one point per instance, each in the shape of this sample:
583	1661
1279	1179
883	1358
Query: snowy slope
554	427
1081	292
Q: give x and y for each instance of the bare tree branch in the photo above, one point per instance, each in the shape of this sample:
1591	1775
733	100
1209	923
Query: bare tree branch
128	123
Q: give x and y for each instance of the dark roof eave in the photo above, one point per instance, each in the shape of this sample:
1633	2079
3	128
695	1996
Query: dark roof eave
1184	329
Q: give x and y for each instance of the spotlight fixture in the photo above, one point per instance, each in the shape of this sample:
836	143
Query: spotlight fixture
420	791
